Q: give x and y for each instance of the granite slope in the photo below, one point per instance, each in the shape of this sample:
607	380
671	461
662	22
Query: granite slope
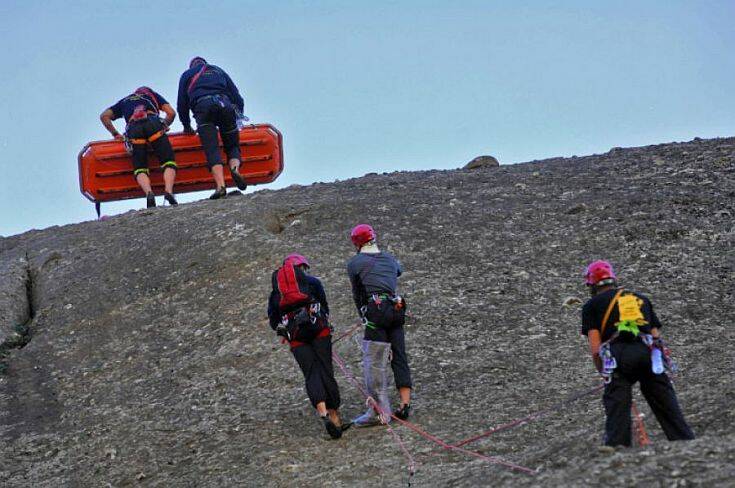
136	350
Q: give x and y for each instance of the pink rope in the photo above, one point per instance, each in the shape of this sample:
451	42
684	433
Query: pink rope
349	332
370	401
529	418
423	433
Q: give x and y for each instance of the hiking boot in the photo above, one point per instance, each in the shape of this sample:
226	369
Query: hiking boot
333	431
219	193
170	199
238	179
403	412
150	200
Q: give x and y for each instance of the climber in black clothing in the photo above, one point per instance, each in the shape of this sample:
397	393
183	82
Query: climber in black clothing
210	94
626	347
305	326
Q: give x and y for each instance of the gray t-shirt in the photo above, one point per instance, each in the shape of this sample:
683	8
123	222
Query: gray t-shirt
372	273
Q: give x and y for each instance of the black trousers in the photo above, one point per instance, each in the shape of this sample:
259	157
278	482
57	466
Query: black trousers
315	361
399	359
144	129
215	112
634	365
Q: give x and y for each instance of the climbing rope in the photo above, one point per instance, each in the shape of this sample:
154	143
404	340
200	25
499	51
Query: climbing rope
371	402
530	417
491	459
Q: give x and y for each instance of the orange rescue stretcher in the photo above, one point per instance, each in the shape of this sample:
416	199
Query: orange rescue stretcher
106	169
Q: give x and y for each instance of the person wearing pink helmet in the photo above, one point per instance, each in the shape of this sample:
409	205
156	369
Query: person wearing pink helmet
304	324
374	278
624	336
140	111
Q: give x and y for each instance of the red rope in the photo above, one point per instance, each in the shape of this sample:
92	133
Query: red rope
529	418
371	401
426	435
639	427
349	332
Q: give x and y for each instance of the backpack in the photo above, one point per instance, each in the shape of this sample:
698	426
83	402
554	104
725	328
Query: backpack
292	287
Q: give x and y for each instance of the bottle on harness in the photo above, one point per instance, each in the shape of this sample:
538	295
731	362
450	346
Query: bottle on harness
660	354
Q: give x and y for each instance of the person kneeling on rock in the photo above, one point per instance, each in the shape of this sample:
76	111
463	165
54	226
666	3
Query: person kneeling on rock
374	276
626	346
298	312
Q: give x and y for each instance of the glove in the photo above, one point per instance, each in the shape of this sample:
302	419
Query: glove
188	130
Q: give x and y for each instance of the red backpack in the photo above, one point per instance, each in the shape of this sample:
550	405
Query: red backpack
292	286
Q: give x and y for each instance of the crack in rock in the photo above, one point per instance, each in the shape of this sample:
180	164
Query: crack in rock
17	307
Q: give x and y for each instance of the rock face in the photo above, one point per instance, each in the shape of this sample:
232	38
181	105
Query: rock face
150	360
482	162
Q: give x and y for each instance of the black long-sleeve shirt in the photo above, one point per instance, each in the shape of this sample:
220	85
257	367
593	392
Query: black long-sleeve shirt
594	311
372	273
316	290
213	81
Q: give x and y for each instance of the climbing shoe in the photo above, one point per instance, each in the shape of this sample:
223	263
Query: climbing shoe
367	419
333	431
239	180
219	193
170	199
150	200
403	412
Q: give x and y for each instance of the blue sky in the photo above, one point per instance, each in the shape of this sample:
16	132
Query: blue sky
359	87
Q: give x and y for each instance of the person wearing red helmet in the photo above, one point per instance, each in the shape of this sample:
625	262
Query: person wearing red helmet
374	278
624	337
140	111
304	324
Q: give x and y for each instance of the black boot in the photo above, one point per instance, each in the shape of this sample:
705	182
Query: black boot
239	180
150	200
170	199
333	431
403	412
219	193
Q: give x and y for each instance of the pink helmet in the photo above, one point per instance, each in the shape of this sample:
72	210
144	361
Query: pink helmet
296	260
196	61
598	271
362	234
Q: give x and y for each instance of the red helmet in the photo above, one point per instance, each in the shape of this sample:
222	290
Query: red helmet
361	235
296	260
196	61
598	271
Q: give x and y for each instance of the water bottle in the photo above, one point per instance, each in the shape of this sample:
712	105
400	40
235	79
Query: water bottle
657	364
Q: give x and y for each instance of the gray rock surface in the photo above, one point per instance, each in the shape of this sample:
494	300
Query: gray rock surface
482	162
151	362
